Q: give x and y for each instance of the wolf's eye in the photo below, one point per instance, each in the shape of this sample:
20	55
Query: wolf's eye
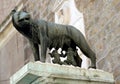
20	20
27	18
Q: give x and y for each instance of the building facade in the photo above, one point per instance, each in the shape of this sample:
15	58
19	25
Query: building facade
101	29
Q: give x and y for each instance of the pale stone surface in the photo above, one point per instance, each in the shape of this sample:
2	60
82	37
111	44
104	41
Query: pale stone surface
44	73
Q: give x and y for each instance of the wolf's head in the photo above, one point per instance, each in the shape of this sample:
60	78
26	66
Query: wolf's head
21	18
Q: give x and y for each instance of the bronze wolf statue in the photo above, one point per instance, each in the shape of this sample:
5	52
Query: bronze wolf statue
50	35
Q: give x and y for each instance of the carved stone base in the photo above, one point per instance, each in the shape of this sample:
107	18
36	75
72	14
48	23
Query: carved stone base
44	73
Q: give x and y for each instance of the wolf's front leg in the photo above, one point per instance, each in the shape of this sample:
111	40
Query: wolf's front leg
43	50
35	49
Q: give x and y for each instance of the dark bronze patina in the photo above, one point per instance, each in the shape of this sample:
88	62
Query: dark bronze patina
50	35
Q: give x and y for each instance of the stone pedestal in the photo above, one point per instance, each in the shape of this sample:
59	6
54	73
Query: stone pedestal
44	73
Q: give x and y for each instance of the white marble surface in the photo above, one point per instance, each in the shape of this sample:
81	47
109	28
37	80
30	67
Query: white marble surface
44	73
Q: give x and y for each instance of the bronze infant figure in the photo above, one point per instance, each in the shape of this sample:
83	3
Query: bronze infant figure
56	57
49	35
71	54
70	57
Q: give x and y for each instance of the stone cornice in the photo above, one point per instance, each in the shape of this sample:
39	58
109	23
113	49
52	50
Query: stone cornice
6	28
4	24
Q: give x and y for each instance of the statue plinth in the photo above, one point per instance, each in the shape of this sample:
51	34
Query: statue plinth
44	73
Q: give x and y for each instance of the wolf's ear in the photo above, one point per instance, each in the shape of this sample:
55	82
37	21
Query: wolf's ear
14	10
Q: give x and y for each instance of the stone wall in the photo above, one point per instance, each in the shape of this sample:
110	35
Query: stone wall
103	32
5	8
101	27
11	53
11	43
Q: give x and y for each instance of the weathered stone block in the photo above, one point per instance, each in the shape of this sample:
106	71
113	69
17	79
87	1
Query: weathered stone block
44	73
